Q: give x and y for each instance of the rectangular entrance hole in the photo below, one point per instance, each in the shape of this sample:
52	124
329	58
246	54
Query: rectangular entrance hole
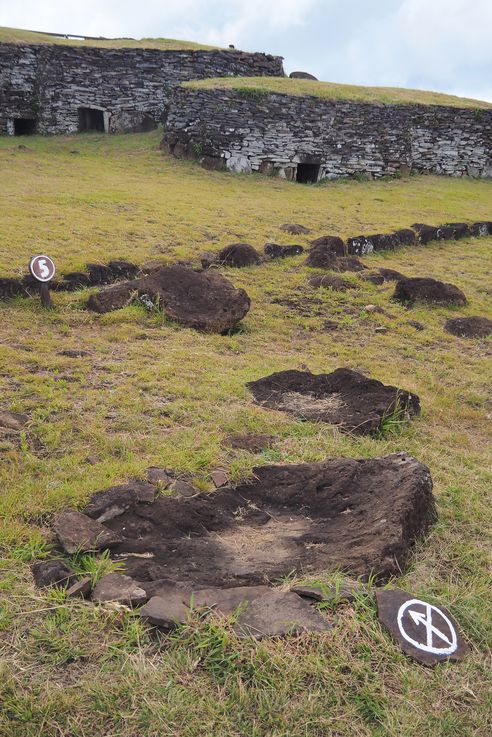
307	173
25	126
91	119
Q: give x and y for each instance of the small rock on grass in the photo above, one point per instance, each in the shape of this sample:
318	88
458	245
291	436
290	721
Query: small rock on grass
12	420
165	612
277	613
119	588
53	573
220	478
184	488
78	533
294	229
159	476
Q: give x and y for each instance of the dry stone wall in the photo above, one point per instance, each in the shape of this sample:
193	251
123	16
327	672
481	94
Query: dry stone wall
131	87
310	138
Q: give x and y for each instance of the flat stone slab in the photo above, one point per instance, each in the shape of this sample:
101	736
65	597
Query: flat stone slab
277	614
360	516
330	594
165	612
432	291
425	632
469	327
110	503
119	588
344	398
204	300
80	588
226	601
78	533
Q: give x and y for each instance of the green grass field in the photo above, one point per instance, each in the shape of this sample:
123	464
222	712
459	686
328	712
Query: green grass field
21	36
153	393
335	91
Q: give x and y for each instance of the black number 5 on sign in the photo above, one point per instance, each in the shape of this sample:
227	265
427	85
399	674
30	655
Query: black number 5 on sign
42	268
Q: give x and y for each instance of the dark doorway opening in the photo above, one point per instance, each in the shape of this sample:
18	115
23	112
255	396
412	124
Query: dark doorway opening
307	173
25	126
91	119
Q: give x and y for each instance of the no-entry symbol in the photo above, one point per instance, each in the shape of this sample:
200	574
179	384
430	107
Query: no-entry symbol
427	628
43	270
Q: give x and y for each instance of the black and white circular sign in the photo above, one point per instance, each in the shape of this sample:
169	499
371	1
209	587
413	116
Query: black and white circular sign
427	628
42	268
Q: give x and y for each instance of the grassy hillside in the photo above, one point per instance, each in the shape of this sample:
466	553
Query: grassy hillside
334	91
20	36
149	392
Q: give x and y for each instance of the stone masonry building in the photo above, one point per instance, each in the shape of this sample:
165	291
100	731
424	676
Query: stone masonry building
49	88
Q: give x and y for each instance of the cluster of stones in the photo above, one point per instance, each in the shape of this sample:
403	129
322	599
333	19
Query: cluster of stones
129	86
245	130
394	491
95	275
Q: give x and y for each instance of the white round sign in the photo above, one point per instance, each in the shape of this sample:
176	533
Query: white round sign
431	630
42	268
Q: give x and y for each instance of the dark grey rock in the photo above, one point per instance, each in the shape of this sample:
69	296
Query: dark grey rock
53	573
202	300
184	488
119	588
424	632
372	277
80	588
426	233
481	229
227	601
110	503
220	477
273	250
159	476
78	533
278	613
239	255
166	612
331	594
391	274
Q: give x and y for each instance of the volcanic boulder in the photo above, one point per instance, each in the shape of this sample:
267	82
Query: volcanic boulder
481	229
273	250
425	233
469	327
453	231
239	255
424	289
53	572
362	516
328	243
203	300
344	398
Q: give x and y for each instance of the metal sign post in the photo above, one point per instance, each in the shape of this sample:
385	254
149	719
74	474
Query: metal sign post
43	269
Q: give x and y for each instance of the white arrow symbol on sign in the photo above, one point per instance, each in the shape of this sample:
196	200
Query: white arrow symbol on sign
448	646
426	620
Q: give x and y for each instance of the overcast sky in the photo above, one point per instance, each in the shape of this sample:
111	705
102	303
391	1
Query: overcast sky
442	45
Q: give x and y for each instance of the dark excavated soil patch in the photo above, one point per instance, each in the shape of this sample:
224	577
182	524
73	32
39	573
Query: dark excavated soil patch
344	398
362	516
469	327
